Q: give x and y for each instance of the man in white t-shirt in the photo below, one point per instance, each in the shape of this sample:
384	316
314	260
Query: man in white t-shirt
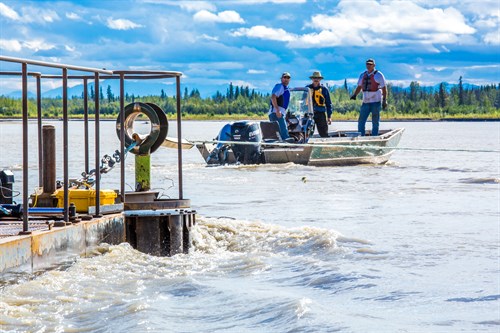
372	82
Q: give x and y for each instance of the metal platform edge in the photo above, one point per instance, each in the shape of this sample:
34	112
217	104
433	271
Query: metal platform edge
46	248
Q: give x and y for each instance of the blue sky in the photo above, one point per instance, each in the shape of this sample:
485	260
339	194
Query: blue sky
250	42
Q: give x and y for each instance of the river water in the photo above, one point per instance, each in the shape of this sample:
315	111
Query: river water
410	246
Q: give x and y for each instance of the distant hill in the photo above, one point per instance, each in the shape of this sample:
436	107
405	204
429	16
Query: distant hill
19	94
152	87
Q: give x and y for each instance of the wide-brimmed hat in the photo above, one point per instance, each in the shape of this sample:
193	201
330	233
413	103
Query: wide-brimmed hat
316	75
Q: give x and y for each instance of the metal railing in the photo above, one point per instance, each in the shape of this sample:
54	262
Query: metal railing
96	75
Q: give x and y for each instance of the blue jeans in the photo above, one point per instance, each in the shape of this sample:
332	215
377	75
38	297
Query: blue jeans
366	109
281	122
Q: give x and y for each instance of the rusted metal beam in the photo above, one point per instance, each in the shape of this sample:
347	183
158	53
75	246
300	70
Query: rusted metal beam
86	124
25	146
65	143
97	147
54	65
49	159
179	136
122	137
39	126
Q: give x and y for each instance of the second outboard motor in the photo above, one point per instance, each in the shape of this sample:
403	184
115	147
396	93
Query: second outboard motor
246	131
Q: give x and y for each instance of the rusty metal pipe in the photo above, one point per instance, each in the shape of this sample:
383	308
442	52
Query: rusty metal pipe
54	65
25	147
65	143
39	127
179	135
86	124
122	137
49	159
97	148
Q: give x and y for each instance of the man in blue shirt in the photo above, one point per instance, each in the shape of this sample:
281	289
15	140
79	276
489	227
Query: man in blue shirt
279	103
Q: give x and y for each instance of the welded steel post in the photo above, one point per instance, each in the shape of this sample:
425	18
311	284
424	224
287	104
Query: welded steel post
86	124
142	172
65	142
97	149
49	159
122	136
175	226
39	118
179	135
25	147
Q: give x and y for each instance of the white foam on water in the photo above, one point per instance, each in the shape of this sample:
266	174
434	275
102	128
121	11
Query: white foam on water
213	234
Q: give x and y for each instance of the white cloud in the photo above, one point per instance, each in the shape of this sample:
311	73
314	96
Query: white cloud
69	48
262	32
492	38
195	6
37	45
256	71
221	65
208	37
191	6
8	12
252	2
38	15
73	16
121	24
14	45
373	23
10	45
403	20
227	16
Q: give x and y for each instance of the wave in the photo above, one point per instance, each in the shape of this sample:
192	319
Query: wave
215	234
491	180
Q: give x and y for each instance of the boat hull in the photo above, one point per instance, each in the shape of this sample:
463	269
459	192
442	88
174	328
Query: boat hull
336	150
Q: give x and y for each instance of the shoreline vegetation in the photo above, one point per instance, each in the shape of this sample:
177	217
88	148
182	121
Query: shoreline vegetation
415	103
237	117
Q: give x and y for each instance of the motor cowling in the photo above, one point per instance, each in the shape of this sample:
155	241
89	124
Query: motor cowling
248	152
245	131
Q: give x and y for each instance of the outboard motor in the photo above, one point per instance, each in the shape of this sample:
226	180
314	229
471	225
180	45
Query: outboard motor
242	131
245	131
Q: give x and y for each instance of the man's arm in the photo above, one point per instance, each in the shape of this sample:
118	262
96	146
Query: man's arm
328	103
384	97
356	92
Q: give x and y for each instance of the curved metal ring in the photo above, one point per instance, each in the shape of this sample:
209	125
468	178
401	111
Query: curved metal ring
159	127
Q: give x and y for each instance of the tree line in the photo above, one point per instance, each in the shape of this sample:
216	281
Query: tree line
414	101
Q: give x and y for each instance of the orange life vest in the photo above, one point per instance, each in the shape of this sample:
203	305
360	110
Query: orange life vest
369	83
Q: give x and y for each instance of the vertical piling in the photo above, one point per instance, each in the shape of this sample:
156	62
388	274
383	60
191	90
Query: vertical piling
175	228
25	147
39	127
65	142
49	159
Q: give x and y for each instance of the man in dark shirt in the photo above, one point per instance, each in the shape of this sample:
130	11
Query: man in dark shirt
322	104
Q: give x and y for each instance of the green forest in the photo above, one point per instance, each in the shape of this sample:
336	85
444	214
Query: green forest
414	102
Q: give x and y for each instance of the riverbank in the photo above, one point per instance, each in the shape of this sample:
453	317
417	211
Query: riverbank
335	118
